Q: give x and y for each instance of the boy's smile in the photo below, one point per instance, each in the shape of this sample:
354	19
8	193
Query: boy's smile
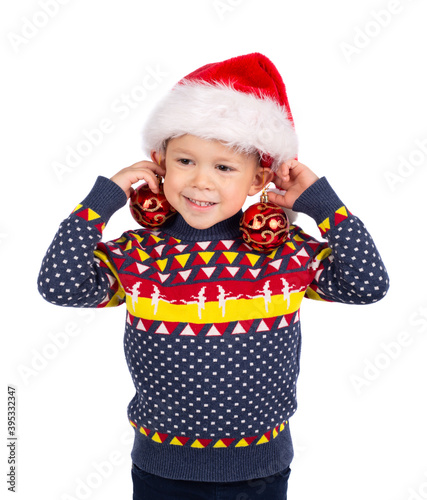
206	181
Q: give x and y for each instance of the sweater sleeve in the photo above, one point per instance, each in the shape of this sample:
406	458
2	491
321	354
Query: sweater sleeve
349	266
73	273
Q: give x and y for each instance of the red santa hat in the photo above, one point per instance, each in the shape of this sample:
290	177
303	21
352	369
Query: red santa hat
241	102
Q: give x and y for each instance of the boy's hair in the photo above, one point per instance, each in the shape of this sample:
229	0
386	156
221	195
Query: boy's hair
241	102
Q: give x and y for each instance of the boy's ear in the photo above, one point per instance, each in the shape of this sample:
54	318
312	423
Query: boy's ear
156	157
263	177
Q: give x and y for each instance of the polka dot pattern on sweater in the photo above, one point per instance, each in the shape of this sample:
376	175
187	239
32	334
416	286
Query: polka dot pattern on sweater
231	386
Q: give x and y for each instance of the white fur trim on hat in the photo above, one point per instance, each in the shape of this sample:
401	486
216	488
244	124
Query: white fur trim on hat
218	111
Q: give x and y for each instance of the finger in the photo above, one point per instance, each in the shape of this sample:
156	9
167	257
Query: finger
145	164
293	163
278	198
149	177
282	183
284	172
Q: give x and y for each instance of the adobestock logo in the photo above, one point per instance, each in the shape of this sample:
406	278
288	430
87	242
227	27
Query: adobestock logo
407	165
3	237
389	352
101	471
41	358
364	35
32	25
121	107
420	494
223	7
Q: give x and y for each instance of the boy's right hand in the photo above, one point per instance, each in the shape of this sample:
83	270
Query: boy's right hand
142	170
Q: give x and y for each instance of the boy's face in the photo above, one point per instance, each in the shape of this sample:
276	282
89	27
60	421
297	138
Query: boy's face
207	182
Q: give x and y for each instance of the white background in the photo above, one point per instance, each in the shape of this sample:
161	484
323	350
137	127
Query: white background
356	81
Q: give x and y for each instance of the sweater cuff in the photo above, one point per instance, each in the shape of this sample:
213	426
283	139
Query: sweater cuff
105	198
318	201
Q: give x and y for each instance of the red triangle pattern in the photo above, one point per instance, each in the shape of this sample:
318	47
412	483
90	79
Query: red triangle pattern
181	439
224	245
182	276
176	249
339	217
266	325
176	265
144	324
250	440
244	247
205	273
293	263
243	326
161	438
229	272
192	329
201	246
151	241
250	274
100	227
217	329
203	442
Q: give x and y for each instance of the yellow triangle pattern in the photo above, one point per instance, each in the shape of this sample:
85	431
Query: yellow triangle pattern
253	259
325	225
241	443
219	444
156	438
291	245
342	211
197	444
142	255
156	238
78	206
272	254
92	214
206	256
323	254
230	256
162	264
134	235
182	259
263	440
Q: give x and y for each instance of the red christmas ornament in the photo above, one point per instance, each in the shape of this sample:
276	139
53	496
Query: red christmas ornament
149	209
264	226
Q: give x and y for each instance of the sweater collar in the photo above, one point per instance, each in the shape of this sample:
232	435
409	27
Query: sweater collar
226	229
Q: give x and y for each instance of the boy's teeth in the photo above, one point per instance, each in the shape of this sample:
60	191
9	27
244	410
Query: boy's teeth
201	203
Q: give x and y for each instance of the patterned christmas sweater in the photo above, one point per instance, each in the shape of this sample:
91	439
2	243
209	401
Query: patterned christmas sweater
212	333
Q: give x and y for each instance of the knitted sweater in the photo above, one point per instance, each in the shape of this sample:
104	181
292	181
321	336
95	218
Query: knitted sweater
212	334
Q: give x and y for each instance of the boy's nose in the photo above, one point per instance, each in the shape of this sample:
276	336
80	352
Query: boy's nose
202	179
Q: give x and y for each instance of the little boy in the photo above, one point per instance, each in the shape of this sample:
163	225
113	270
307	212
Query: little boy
212	336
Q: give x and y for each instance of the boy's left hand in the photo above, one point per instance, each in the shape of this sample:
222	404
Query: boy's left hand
294	178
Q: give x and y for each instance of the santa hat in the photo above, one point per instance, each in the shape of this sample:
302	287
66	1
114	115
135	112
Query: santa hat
241	102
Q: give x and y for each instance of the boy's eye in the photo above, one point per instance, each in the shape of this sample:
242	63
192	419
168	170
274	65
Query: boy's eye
224	168
184	161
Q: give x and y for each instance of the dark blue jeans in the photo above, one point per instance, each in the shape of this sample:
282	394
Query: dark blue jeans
150	487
